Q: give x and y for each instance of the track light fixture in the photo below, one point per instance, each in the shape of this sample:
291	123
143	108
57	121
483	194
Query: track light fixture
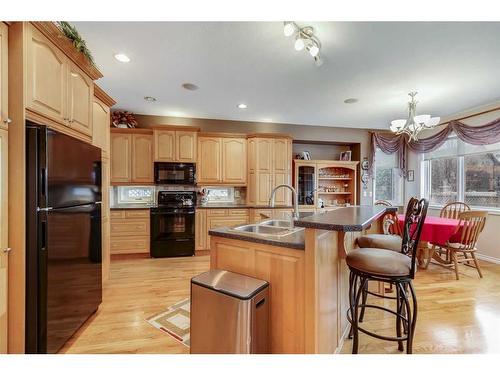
304	39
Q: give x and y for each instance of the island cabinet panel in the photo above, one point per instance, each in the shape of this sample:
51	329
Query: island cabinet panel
284	269
142	158
4	243
121	157
47	77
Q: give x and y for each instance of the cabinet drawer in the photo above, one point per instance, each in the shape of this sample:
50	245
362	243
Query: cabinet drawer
114	214
130	245
238	212
217	212
136	213
120	227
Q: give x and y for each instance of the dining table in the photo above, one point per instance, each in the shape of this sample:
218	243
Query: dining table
436	231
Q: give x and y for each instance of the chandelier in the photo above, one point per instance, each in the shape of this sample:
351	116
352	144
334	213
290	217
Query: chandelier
414	124
304	39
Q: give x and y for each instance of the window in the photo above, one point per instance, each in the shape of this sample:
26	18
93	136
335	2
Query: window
461	172
388	183
220	194
135	194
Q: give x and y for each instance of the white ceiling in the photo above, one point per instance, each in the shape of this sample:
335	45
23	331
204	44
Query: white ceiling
454	66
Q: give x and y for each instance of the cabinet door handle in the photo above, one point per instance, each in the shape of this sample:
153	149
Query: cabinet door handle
7	121
7	250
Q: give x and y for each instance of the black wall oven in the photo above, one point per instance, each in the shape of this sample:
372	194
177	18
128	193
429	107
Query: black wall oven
175	173
173	224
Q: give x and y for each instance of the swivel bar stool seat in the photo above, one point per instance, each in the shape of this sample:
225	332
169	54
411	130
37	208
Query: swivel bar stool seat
395	268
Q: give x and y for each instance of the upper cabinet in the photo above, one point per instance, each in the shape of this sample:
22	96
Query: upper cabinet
56	87
131	156
172	145
80	95
222	160
47	77
4	104
270	165
101	122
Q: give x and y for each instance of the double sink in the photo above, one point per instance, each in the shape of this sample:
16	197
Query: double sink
268	229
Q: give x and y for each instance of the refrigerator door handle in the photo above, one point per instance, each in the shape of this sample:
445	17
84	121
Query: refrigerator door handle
44	209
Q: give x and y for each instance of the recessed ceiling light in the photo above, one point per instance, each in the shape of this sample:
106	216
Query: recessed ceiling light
121	57
350	101
242	106
190	86
149	99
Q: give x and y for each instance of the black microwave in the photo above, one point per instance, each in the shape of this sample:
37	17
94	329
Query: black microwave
175	173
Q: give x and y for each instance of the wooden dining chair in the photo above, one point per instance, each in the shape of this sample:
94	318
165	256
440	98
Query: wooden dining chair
463	242
453	209
450	211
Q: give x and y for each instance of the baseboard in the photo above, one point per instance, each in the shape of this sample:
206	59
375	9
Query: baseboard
487	258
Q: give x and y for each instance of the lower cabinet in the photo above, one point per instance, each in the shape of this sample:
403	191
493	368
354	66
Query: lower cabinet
130	231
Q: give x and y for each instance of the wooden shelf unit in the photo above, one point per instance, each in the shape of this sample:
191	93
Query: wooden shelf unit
335	182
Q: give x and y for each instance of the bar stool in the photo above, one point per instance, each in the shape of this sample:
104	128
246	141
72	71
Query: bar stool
396	268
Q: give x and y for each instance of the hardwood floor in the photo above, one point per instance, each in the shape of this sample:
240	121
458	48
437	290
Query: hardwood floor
137	290
453	317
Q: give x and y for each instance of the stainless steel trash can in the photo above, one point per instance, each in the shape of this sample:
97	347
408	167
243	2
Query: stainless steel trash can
229	313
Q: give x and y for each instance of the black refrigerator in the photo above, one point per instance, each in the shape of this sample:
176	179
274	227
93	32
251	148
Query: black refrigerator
63	236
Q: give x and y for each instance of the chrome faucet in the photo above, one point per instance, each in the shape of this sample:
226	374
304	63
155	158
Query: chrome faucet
295	200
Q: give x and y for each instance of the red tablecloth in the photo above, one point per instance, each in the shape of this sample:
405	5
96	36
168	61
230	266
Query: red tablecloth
436	230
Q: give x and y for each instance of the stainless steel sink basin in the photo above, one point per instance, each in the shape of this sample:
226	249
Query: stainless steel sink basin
278	223
267	229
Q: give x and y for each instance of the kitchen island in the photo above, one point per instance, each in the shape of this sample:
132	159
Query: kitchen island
306	270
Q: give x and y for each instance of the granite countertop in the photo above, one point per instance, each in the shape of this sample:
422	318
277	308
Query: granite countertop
291	241
131	207
239	205
346	219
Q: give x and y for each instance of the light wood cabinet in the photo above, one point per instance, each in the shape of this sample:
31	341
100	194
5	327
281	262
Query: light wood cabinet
130	231
4	261
56	87
175	145
100	126
209	160
185	146
47	80
131	156
333	182
200	230
269	159
105	224
4	87
121	157
222	160
164	145
234	161
80	96
207	219
142	158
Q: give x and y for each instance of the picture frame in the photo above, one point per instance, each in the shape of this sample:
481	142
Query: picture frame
410	176
345	156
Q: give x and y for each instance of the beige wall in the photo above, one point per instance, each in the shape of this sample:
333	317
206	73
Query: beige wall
298	132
